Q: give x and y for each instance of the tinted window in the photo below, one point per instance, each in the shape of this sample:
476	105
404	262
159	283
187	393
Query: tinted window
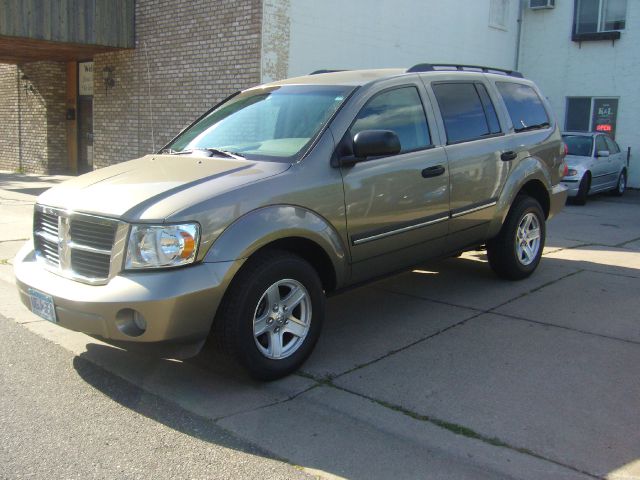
489	110
601	144
400	111
524	106
578	145
462	111
578	114
613	146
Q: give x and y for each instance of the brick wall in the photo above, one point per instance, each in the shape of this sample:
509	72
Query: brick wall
32	118
189	55
9	117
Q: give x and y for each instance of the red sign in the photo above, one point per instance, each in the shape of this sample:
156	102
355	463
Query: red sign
604	128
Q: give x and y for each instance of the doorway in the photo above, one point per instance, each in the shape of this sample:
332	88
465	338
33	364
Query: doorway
85	117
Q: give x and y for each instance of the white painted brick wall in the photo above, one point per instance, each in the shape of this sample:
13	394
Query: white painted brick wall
564	68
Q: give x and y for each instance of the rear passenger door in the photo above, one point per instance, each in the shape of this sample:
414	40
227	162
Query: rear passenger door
473	146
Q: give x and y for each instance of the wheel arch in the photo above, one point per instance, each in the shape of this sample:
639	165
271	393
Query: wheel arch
289	228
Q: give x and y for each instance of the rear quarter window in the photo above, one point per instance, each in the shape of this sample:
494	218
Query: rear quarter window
524	106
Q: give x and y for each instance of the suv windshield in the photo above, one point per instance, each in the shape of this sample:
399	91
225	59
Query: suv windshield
274	123
580	145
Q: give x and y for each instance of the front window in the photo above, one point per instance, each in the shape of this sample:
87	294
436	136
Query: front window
274	123
593	16
580	145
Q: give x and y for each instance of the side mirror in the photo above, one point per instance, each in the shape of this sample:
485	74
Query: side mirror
603	153
375	143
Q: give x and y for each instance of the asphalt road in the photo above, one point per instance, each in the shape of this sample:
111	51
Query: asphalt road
64	417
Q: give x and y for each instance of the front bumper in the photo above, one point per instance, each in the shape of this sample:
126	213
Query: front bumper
557	200
178	305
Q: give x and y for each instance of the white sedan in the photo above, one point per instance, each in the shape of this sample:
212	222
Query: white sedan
595	163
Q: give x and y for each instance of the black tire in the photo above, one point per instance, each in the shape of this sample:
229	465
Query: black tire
583	190
233	331
621	186
502	250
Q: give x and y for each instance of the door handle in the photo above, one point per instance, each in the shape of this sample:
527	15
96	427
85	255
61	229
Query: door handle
433	171
508	156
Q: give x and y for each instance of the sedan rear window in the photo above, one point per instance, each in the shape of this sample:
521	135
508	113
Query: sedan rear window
580	145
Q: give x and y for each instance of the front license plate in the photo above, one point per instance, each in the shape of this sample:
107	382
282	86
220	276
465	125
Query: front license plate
42	305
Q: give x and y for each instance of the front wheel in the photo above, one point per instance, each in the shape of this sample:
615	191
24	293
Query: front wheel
272	314
583	190
516	251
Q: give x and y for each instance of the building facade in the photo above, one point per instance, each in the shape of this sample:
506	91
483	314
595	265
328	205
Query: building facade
103	104
71	102
584	55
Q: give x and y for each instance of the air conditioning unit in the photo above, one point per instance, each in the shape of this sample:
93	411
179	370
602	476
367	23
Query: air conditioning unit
540	4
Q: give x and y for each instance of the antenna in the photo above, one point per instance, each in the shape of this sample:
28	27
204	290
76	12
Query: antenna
153	138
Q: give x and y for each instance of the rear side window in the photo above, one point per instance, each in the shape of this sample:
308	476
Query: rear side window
601	144
399	110
467	111
524	106
613	146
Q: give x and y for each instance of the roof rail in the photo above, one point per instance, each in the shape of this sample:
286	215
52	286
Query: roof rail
318	72
434	67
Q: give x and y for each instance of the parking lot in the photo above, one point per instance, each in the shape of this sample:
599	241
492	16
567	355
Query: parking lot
445	371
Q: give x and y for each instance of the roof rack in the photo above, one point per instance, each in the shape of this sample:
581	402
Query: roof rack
318	72
434	67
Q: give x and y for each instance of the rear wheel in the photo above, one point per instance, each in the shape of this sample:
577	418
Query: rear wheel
622	184
271	316
583	190
516	251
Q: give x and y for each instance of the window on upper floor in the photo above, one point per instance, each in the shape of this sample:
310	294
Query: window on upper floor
595	16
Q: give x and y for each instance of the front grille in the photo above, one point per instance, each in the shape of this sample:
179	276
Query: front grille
75	245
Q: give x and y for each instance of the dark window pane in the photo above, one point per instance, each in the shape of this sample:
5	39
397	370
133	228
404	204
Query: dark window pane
614	13
489	110
400	111
524	106
579	145
578	111
605	113
612	146
462	111
601	144
587	16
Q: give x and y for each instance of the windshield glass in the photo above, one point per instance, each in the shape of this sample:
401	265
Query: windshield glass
276	123
579	145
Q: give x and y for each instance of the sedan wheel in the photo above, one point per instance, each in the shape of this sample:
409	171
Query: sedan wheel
622	184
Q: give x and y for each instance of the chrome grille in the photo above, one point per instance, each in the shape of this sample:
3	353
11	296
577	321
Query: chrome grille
75	245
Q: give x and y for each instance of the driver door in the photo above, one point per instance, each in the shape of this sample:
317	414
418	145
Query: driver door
397	206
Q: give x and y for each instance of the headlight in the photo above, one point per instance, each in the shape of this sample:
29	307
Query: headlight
160	246
572	172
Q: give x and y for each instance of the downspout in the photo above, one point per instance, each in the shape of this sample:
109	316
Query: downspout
518	35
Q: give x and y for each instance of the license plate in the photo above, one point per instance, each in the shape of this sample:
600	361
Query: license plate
42	305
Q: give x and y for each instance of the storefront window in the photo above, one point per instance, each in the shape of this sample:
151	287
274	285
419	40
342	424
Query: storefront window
588	114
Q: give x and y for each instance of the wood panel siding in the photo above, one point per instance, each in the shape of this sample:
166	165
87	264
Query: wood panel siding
96	25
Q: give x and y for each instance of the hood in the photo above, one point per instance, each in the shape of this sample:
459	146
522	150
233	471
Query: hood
128	190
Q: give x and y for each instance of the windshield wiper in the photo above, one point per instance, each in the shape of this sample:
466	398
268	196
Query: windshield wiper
212	152
526	128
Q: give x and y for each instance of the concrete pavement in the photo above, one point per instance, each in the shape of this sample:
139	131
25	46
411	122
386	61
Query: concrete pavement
440	372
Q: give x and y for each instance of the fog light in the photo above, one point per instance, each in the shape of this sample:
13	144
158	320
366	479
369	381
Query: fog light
131	322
